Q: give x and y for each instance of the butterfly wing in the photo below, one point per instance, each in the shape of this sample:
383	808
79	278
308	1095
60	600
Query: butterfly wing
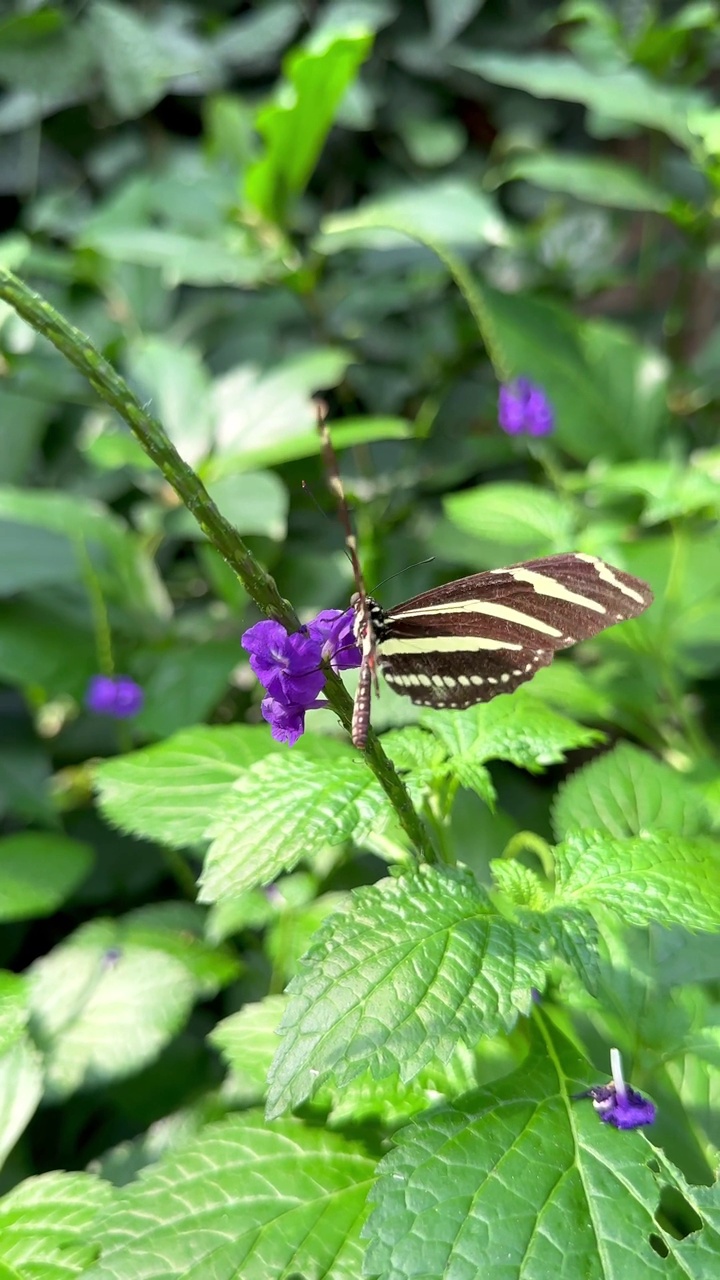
469	640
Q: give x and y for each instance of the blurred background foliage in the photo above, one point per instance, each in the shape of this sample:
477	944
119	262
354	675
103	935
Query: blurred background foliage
243	205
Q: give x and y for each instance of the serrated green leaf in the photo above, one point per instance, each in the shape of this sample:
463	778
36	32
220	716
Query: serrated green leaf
627	791
532	1183
171	792
103	1006
48	1224
413	965
666	878
248	1041
281	810
520	884
295	125
515	727
243	1199
38	871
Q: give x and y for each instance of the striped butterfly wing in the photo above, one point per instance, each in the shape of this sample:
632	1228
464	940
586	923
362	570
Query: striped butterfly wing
469	640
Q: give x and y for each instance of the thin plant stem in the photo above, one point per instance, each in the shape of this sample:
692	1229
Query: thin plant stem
260	586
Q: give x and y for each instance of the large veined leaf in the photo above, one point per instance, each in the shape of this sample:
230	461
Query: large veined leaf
283	809
48	1226
243	1199
171	792
518	727
413	965
521	1180
665	878
523	517
449	212
626	792
103	1006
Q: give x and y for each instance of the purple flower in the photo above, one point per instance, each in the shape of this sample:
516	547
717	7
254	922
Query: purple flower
334	629
117	696
524	409
286	719
290	666
617	1104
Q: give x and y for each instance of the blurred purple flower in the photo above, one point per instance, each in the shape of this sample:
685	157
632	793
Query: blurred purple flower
333	628
290	666
616	1103
117	696
524	409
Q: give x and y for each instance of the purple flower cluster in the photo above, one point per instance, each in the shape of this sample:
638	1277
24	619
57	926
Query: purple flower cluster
524	409
117	696
290	666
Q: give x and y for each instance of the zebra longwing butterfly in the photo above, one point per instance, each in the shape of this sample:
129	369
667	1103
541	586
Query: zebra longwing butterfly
466	641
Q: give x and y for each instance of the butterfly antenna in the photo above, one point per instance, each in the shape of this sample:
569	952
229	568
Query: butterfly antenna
336	488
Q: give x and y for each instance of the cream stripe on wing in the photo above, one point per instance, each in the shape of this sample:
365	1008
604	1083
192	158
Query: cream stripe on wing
545	586
502	611
441	644
606	574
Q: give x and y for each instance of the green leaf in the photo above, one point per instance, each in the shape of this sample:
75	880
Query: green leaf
171	792
39	870
254	41
138	58
515	727
671	879
247	1041
449	17
125	571
32	557
282	809
13	1009
21	1089
176	930
40	646
174	377
254	502
305	443
48	1224
295	125
628	792
520	516
448	211
232	258
622	93
258	411
413	965
598	181
579	1190
608	390
243	1199
104	1006
182	684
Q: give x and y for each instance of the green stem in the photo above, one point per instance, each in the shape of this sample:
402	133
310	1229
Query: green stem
260	586
101	625
467	286
533	844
